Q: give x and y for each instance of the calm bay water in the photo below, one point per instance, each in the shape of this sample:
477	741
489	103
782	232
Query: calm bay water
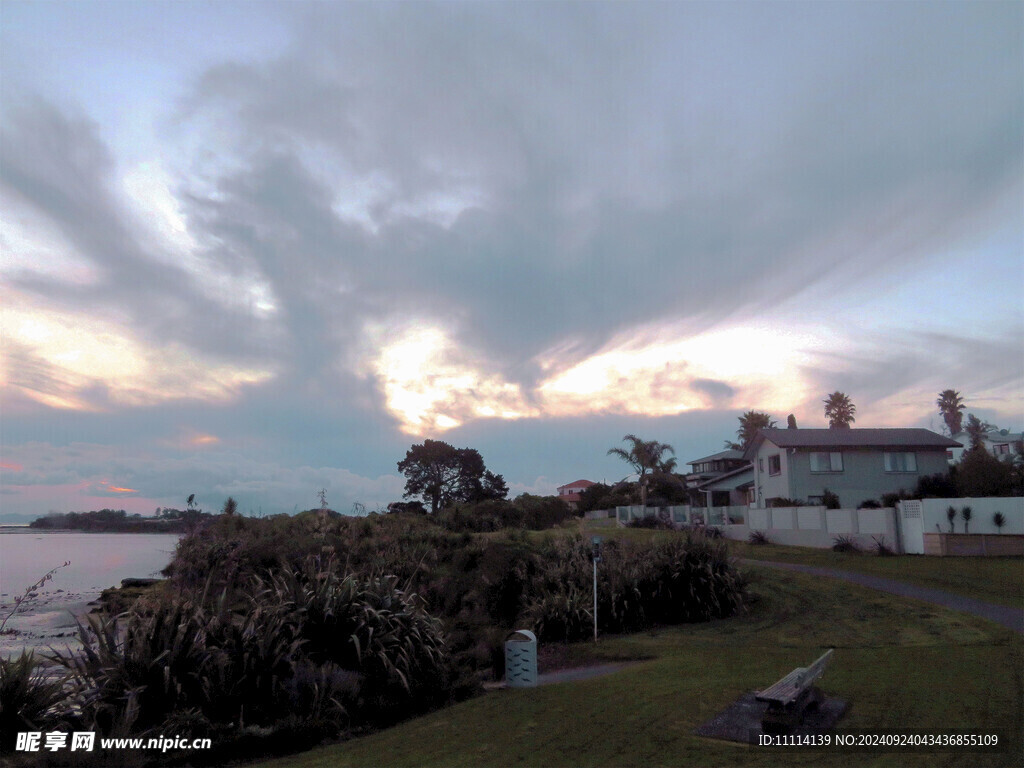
98	561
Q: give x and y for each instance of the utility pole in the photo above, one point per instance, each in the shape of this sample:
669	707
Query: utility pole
596	541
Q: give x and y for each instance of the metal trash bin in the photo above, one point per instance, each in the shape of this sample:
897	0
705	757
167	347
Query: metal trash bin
521	659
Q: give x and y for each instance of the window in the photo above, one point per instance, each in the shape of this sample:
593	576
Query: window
949	454
900	462
826	461
1002	449
774	465
760	465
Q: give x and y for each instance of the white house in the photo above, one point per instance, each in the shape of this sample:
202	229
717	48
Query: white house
1002	444
855	464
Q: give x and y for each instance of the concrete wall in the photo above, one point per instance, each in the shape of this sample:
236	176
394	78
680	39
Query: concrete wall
818	527
982	510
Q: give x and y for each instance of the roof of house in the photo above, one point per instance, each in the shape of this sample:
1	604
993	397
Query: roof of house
850	438
729	454
577	484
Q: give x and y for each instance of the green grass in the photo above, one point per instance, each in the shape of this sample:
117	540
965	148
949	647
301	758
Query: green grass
991	579
901	664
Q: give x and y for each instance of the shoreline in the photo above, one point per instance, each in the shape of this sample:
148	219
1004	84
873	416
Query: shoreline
49	620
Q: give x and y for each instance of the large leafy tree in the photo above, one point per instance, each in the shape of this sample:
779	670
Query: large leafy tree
648	459
951	406
442	474
839	410
750	423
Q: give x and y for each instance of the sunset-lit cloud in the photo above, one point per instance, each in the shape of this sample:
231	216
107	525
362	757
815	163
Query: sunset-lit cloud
59	359
431	385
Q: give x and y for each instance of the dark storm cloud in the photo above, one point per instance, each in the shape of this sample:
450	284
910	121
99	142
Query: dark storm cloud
707	171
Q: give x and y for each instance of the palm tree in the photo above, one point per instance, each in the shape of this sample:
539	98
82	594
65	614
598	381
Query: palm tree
999	520
965	513
646	458
839	410
951	516
750	423
951	406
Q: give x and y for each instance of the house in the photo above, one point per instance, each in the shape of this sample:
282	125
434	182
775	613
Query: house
713	466
729	489
855	464
570	493
1002	444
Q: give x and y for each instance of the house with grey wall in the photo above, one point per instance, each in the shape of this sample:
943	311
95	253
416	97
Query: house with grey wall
855	464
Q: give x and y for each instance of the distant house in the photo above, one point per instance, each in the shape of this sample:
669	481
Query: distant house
1002	444
570	493
721	479
855	464
713	466
730	489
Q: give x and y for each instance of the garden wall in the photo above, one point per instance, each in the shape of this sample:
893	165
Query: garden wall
817	526
974	544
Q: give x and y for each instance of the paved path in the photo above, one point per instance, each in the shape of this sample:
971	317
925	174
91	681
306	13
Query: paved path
1001	614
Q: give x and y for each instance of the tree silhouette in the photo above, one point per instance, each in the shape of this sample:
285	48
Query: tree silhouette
750	423
951	406
441	474
647	457
230	506
976	431
839	410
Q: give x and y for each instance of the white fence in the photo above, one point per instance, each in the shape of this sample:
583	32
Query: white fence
931	516
682	514
818	527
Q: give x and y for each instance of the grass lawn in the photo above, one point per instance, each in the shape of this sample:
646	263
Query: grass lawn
899	663
991	579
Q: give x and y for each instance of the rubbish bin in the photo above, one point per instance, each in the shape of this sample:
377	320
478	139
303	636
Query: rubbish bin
521	659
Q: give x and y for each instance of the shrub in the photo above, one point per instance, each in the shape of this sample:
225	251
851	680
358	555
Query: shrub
999	520
844	543
829	499
869	504
780	501
881	548
758	537
30	700
653	522
965	513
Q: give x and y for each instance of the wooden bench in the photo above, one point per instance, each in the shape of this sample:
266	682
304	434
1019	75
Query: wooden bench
793	695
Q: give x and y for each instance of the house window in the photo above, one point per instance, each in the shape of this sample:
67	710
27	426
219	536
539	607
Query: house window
1002	449
949	454
760	465
826	461
774	465
900	462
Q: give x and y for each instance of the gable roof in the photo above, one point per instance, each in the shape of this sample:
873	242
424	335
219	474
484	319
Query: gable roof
729	454
736	475
851	438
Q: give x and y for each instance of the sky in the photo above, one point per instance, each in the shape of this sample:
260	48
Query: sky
262	249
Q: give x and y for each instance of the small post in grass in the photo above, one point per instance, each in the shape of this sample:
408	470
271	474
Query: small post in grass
596	541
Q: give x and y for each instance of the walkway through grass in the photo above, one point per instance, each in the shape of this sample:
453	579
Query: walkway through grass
900	664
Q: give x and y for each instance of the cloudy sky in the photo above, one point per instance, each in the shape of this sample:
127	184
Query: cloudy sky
260	249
